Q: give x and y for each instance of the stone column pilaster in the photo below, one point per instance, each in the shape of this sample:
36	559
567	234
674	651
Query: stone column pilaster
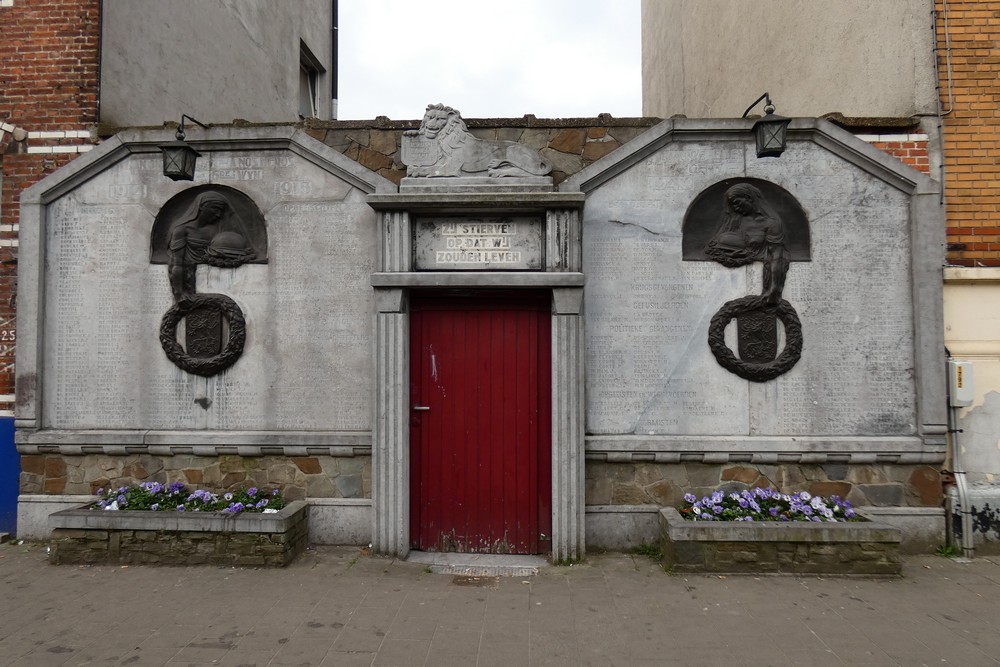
563	243
568	530
391	426
394	241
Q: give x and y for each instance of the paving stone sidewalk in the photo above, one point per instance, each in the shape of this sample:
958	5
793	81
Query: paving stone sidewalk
334	606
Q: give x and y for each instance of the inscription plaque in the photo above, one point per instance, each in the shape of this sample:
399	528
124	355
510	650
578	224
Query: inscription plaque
493	243
649	371
103	299
645	310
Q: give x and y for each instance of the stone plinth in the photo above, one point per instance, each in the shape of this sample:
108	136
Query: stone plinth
866	547
84	536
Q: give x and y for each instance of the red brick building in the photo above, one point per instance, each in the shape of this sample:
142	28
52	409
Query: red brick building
968	45
48	110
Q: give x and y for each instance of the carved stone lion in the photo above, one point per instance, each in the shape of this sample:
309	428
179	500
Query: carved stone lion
443	146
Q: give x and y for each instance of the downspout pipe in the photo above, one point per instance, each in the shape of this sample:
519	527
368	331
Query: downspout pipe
958	470
334	63
957	464
941	113
100	56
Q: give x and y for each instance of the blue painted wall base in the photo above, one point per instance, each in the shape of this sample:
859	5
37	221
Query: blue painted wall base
10	472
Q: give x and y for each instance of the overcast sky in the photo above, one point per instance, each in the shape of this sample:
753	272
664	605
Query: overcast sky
550	58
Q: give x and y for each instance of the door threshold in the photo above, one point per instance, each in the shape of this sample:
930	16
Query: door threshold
479	565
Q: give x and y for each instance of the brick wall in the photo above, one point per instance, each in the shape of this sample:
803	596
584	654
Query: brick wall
48	104
972	128
909	149
49	53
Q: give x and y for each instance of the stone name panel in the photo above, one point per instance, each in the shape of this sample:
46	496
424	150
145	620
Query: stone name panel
649	368
307	359
489	243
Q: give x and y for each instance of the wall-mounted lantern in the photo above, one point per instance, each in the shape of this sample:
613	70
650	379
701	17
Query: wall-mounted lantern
178	157
769	131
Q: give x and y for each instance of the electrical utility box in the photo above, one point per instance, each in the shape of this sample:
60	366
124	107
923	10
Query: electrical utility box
960	383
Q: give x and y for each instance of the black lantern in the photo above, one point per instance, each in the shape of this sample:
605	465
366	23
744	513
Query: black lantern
178	157
769	131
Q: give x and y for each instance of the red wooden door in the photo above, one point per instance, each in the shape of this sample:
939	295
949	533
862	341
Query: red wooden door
480	466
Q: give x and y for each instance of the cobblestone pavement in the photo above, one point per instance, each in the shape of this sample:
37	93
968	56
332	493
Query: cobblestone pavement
334	606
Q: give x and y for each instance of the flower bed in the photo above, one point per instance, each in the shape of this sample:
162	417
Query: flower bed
156	497
761	504
765	531
84	536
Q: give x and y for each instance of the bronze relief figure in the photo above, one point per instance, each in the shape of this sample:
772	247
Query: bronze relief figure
751	226
751	231
219	227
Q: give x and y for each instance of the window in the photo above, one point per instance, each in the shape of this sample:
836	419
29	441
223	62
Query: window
309	76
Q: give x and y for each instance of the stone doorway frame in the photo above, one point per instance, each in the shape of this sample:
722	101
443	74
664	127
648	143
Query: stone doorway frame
392	281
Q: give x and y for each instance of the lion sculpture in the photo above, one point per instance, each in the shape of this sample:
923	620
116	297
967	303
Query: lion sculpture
443	146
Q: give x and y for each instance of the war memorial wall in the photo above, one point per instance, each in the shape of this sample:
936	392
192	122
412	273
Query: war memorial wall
857	415
840	392
293	411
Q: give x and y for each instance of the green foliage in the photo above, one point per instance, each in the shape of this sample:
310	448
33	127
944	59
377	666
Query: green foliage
948	551
648	550
767	505
155	497
567	562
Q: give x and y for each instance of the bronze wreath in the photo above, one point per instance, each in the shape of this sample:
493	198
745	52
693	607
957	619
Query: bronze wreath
756	372
226	262
206	366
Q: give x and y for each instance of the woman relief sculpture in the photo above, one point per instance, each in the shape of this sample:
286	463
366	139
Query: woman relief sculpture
207	233
750	228
216	226
751	231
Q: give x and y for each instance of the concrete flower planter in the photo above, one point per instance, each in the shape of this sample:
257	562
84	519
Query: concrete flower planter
867	547
85	536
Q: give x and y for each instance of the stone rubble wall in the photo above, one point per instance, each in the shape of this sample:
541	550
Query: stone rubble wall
297	477
881	485
754	556
863	547
176	547
872	558
568	144
606	483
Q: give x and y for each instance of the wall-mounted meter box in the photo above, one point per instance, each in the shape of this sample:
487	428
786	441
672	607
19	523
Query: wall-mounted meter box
960	384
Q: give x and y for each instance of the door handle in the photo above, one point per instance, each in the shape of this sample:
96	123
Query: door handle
421	407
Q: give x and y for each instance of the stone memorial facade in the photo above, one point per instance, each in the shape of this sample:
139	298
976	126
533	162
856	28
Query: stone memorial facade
398	341
102	399
860	412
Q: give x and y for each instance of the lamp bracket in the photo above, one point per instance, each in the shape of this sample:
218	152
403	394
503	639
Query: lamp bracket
767	104
180	128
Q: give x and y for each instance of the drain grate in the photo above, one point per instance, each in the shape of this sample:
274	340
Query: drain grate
479	565
485	570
